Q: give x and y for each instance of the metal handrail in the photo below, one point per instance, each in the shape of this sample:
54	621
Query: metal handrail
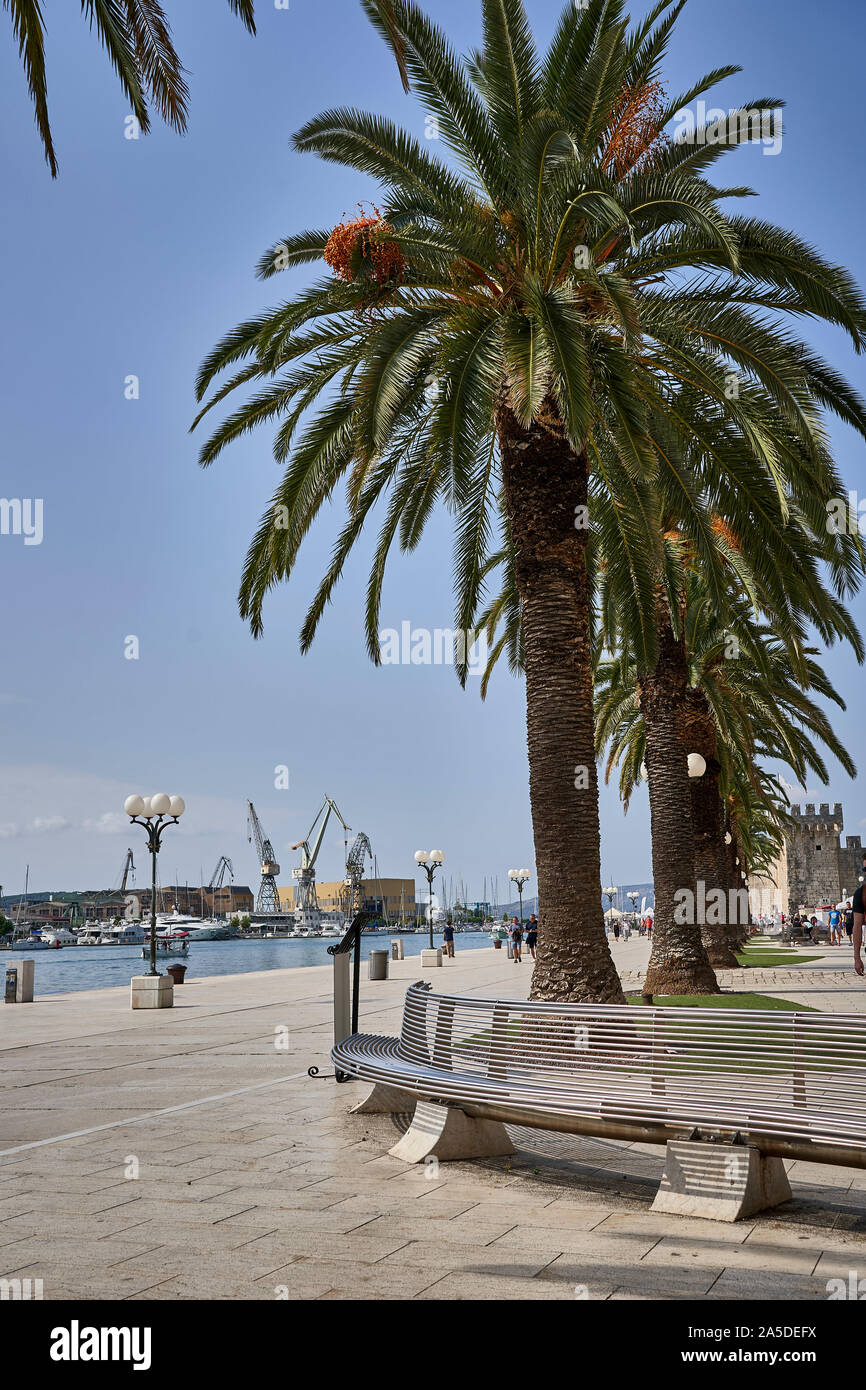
793	1082
352	942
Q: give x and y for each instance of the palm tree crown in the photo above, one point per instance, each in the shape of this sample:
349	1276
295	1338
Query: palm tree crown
553	313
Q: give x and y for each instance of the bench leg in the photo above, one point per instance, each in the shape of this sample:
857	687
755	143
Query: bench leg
723	1182
385	1100
446	1132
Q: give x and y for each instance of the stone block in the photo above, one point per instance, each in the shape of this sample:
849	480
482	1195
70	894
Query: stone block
448	1133
722	1182
430	959
385	1100
151	992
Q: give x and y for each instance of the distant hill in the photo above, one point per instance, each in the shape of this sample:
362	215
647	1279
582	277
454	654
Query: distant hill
531	904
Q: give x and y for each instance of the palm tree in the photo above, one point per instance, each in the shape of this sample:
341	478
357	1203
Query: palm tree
490	330
136	36
748	699
706	571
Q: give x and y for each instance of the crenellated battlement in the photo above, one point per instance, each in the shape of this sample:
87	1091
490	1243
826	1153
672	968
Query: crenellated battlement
825	818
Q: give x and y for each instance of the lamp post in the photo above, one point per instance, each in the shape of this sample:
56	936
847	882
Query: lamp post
430	863
610	894
156	814
633	897
518	878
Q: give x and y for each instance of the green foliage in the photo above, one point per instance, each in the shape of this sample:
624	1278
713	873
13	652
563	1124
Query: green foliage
729	1001
542	276
137	38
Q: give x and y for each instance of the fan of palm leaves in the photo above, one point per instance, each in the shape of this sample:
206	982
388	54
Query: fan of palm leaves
137	38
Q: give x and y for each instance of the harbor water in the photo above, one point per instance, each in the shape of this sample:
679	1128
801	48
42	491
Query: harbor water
99	967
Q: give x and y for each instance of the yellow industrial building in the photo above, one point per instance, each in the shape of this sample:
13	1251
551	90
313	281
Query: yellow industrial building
391	896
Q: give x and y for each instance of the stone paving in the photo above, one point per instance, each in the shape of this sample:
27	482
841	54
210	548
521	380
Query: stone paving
187	1154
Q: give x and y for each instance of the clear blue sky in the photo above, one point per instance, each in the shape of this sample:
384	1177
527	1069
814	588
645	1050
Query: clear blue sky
134	262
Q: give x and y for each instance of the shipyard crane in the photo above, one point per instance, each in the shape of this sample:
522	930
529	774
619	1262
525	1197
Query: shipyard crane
215	887
268	898
305	876
358	856
128	868
217	878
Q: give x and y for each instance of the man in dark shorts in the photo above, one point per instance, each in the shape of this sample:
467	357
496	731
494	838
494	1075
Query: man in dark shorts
516	939
857	911
448	940
849	919
532	935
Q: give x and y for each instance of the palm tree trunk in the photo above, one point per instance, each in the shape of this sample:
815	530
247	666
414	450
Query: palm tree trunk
678	961
740	933
710	867
545	485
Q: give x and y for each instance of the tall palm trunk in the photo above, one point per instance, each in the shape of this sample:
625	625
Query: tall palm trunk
740	933
678	961
710	867
545	485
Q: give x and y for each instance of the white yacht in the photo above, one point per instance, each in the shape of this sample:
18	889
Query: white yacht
174	921
123	934
212	929
59	936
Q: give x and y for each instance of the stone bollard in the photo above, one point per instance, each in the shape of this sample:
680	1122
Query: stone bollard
430	959
397	948
19	982
151	992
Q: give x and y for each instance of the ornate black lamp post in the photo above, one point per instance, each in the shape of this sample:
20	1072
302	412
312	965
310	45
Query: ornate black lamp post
155	814
518	878
430	863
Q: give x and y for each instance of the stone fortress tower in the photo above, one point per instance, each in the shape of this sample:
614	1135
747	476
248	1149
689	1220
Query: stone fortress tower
814	869
820	870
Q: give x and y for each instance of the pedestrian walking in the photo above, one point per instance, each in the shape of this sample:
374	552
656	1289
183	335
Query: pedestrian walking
448	940
516	939
857	911
532	935
835	922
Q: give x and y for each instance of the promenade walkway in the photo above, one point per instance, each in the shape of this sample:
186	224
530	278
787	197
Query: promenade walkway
188	1154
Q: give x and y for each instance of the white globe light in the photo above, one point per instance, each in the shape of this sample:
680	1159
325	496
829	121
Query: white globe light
437	856
643	772
177	805
133	805
727	837
160	804
697	765
512	873
524	873
421	856
736	861
145	806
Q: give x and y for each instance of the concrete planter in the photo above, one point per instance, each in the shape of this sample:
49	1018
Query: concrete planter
431	958
151	992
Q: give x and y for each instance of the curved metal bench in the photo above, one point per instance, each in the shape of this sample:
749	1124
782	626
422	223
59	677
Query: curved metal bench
731	1093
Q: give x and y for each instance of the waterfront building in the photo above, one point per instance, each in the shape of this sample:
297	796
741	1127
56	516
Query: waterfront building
385	896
